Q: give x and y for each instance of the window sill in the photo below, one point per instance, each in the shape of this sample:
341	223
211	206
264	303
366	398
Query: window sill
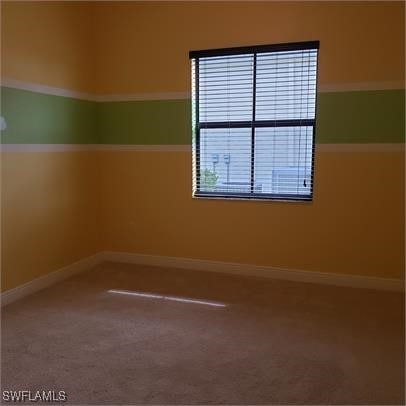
253	197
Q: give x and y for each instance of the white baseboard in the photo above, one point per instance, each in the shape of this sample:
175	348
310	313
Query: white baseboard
355	281
49	279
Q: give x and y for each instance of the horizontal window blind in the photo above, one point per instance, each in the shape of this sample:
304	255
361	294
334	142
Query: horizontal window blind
253	114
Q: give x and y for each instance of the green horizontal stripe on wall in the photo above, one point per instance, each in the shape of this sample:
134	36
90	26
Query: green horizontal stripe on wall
361	117
145	122
357	117
37	118
342	118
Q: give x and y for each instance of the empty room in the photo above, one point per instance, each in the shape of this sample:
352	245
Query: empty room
202	202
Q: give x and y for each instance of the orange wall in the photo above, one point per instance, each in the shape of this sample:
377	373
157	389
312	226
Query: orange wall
144	47
48	43
50	204
49	200
353	225
127	47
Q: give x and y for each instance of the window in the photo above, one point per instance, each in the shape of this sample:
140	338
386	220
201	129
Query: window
253	114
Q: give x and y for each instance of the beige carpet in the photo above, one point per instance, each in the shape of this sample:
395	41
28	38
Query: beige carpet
273	343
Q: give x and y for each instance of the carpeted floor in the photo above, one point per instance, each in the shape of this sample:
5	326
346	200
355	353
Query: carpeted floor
274	342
